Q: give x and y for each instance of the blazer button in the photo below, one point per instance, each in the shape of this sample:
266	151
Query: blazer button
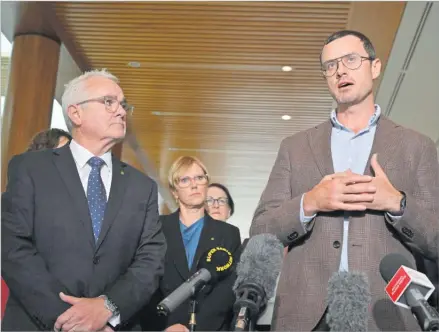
293	236
407	231
336	244
96	260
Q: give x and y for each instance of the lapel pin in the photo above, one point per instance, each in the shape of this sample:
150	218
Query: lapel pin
122	172
212	238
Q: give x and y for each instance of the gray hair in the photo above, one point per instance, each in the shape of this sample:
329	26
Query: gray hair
75	91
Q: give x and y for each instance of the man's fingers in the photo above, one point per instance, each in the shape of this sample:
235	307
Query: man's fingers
71	326
355	178
353	207
342	174
360	188
69	299
62	319
358	198
337	175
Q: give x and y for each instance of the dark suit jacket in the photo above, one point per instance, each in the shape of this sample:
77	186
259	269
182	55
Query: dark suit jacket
48	244
410	161
214	310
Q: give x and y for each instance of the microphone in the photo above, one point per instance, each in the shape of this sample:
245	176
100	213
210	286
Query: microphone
257	274
348	302
410	289
213	266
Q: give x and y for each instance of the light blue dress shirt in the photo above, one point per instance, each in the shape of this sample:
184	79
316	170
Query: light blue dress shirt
349	151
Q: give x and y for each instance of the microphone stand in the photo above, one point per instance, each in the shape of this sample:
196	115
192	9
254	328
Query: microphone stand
192	313
251	299
193	306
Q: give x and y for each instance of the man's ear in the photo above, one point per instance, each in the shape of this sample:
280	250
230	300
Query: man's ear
376	68
75	114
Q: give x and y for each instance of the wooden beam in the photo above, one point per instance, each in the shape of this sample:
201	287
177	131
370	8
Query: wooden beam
68	40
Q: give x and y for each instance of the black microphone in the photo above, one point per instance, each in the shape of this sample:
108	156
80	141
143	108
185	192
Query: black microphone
214	265
413	297
257	274
348	302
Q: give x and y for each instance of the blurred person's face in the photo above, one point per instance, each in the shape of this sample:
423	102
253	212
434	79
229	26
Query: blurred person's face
101	118
190	189
217	204
349	86
62	141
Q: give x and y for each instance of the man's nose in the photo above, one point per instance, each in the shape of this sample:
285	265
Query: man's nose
341	69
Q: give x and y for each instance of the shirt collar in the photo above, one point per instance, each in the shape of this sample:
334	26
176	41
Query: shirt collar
372	121
81	155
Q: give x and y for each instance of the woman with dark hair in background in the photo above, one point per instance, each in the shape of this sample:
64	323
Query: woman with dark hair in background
49	139
219	202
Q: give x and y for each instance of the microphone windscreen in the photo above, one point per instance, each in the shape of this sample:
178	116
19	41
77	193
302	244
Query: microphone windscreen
348	302
218	261
260	263
391	263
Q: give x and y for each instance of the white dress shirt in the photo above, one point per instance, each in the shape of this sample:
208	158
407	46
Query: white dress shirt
81	156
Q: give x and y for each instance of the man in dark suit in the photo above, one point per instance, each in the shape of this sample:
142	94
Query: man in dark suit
347	192
47	139
82	246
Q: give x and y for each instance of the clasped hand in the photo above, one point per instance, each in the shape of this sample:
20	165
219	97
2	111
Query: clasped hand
86	314
353	192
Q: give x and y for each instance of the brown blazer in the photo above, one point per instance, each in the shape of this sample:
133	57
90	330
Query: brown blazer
410	161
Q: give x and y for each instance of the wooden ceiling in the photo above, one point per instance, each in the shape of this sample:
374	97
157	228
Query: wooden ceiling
210	82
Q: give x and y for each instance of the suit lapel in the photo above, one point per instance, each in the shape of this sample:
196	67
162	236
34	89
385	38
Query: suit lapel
175	245
384	142
117	192
320	143
66	166
205	243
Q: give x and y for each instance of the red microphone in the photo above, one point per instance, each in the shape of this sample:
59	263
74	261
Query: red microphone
401	281
409	289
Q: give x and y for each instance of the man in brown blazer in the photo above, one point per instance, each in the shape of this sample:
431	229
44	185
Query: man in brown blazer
347	192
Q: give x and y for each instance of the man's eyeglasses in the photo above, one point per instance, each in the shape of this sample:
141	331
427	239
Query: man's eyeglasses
210	201
351	61
186	181
111	104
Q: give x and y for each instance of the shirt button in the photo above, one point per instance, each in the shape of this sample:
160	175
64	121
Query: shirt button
336	244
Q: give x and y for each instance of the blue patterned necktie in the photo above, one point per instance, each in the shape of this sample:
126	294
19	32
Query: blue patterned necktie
96	196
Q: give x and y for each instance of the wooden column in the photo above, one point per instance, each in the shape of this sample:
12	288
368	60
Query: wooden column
30	93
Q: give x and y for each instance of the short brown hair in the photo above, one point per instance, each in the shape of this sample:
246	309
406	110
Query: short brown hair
182	164
367	44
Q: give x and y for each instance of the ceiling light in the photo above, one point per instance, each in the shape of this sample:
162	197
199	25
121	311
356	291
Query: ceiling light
286	117
287	68
134	64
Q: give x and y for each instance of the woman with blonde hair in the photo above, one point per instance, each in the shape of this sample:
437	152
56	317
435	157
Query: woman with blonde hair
190	232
